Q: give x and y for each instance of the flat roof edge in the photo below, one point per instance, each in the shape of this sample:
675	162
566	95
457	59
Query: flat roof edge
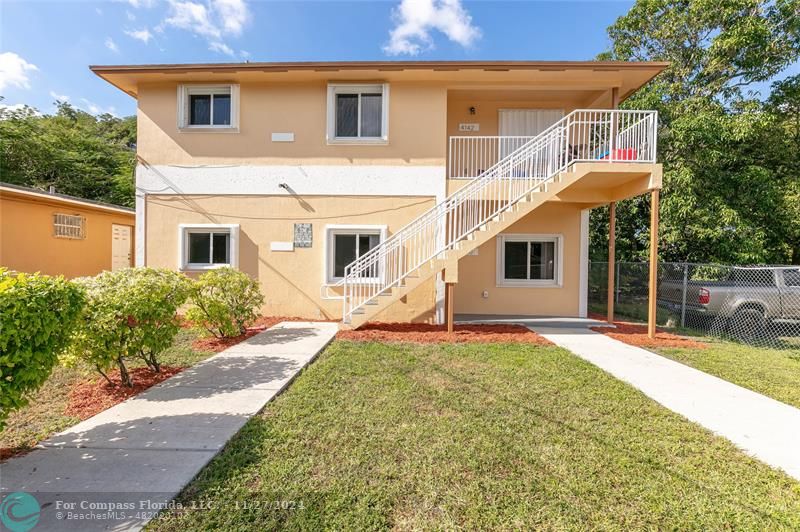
65	198
372	65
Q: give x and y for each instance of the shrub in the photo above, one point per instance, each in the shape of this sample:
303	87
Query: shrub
130	313
225	302
37	316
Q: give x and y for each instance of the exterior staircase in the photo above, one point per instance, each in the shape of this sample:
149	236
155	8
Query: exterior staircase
509	190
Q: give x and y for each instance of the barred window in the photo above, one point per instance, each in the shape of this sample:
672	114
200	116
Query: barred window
69	226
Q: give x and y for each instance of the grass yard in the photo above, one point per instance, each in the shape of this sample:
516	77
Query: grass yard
772	372
46	412
475	436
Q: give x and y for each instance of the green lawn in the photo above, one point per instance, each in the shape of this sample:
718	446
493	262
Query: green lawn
772	372
44	415
471	436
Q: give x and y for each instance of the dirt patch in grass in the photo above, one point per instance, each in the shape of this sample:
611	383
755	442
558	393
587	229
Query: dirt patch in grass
423	333
635	334
215	345
92	396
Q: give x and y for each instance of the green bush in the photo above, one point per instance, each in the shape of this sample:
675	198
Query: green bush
225	302
37	316
130	313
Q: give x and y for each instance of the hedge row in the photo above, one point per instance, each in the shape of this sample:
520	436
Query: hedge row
107	320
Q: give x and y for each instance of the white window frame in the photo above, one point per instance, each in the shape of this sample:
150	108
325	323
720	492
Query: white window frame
184	91
353	88
60	221
183	245
331	231
558	269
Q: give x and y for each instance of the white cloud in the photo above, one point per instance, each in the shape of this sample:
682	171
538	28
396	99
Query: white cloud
244	53
214	20
14	71
130	15
192	17
95	109
143	35
217	46
141	3
60	97
416	18
233	14
111	45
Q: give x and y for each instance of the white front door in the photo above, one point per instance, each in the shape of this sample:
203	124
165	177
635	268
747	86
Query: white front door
120	246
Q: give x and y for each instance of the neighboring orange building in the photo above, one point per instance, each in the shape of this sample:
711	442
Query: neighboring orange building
56	234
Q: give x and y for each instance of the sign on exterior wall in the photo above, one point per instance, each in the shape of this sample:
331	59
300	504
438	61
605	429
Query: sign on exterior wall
469	127
302	235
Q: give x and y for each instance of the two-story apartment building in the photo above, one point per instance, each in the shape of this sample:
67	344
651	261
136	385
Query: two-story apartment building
392	191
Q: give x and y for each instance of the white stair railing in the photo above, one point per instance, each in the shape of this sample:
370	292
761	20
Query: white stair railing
470	156
581	136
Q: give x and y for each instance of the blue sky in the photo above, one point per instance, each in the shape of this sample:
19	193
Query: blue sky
47	46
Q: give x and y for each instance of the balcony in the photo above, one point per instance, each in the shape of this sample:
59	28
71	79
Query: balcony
606	136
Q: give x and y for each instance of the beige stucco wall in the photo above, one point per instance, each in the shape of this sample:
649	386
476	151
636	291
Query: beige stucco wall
290	281
417	128
478	273
27	243
487	110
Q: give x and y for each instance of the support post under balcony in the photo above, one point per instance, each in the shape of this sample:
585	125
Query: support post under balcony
450	280
612	255
651	314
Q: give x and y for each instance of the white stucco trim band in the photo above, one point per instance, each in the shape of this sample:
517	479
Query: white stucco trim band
319	180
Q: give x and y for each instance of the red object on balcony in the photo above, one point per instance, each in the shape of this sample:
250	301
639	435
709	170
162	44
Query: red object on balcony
623	154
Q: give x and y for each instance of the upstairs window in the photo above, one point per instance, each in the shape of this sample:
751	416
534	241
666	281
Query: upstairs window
214	107
358	113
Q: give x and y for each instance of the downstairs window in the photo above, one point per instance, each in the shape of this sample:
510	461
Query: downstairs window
346	244
205	247
529	260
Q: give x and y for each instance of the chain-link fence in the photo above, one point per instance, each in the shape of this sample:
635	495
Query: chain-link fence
757	305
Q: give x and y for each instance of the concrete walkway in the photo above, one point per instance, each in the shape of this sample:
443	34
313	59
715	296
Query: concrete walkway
764	428
141	453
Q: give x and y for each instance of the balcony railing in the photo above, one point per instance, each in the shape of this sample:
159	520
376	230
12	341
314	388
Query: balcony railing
469	157
593	136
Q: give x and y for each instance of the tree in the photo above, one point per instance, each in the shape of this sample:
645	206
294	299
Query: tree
727	196
92	157
730	180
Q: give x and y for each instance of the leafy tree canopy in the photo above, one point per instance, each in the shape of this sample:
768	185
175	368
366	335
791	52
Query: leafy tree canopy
80	154
731	172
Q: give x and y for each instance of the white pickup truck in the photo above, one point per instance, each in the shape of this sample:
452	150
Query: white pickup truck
749	300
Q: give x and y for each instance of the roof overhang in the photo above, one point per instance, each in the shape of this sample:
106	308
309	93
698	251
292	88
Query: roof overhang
14	191
627	77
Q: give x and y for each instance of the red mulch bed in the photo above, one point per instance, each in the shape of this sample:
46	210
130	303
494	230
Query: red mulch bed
423	333
91	397
635	334
12	452
215	345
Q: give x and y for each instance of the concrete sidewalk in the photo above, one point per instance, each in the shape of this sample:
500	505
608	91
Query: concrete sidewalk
763	427
140	454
